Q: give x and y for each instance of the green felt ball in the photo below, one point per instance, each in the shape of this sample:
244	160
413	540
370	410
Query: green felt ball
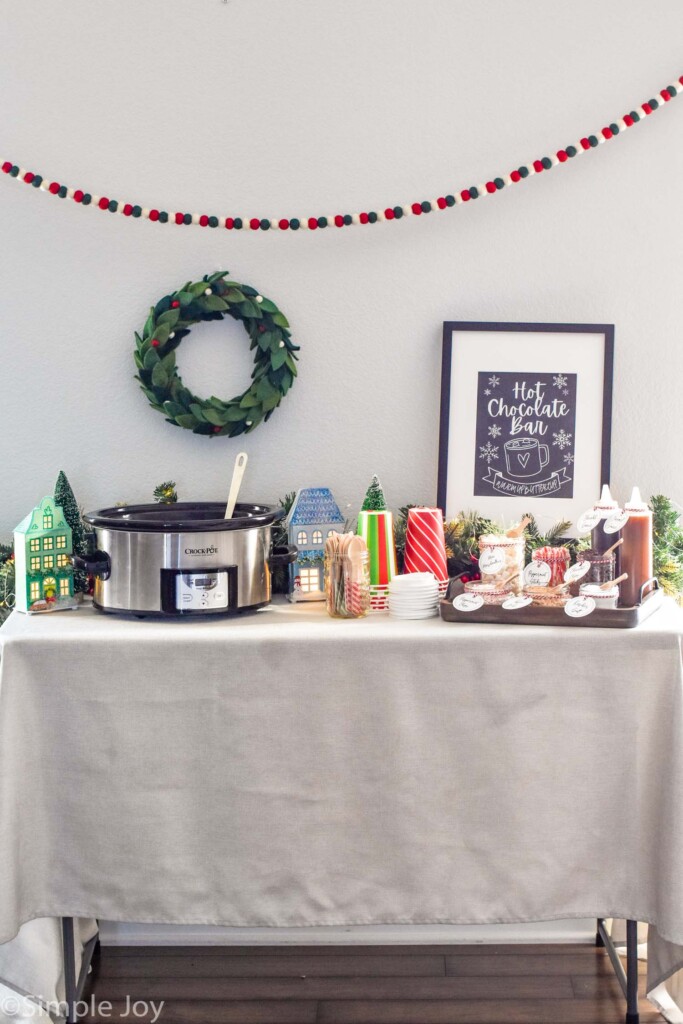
372	217
523	172
213	221
398	212
62	192
570	150
450	200
14	171
322	222
348	219
163	216
137	211
614	128
546	162
499	183
295	223
635	115
187	218
264	225
671	91
37	181
653	103
86	200
113	206
426	206
593	140
474	192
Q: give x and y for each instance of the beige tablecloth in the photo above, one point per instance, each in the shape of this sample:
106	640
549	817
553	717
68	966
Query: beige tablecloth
285	769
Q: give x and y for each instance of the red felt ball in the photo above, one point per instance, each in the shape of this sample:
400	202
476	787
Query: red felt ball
78	195
417	209
179	218
515	176
647	108
389	213
103	203
680	80
490	187
585	144
538	166
364	218
283	224
665	95
154	215
465	578
254	223
607	133
339	220
54	187
127	209
229	223
203	220
175	304
562	156
628	120
7	166
465	195
312	223
441	203
29	176
154	343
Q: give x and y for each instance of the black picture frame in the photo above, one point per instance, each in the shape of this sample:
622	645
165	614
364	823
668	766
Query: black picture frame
451	327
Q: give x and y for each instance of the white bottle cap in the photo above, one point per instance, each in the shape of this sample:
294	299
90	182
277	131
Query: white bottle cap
635	502
606	500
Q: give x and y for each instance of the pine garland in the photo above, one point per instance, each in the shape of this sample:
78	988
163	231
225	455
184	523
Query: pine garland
555	537
668	545
166	493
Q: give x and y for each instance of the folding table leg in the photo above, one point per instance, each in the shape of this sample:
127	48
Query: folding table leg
632	1016
70	979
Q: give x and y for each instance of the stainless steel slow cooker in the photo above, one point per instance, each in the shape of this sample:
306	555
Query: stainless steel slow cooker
183	559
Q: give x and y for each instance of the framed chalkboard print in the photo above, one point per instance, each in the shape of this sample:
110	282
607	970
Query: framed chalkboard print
526	412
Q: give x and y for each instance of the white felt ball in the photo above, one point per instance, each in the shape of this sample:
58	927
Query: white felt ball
508	180
95	200
458	199
145	213
195	218
380	215
275	224
407	211
621	124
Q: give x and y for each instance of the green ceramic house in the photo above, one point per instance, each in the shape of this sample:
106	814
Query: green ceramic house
42	558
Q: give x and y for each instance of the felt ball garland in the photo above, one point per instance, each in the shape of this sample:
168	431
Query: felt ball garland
341	220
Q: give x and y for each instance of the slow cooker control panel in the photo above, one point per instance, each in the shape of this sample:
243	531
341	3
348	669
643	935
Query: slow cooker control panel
198	590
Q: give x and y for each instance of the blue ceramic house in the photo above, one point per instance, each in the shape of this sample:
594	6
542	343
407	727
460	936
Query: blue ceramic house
312	516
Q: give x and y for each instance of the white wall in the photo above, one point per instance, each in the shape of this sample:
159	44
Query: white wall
291	107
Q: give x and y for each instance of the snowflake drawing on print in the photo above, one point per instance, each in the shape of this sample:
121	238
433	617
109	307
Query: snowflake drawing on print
560	380
494	381
568	459
489	452
565	391
487	391
495	431
562	439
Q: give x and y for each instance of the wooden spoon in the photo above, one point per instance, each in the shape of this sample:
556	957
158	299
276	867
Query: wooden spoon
236	483
613	583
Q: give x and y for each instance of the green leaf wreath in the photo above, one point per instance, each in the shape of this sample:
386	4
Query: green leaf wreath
211	299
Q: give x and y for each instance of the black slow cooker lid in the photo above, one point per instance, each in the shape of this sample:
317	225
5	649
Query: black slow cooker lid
183	517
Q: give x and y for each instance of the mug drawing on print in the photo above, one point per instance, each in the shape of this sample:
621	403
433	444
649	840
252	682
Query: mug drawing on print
525	456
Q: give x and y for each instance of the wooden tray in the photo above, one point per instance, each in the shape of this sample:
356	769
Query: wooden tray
535	615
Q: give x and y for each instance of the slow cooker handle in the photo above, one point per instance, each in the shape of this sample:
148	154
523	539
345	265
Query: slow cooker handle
96	564
285	554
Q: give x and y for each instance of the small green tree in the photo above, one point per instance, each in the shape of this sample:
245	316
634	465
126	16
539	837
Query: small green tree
166	493
64	496
374	497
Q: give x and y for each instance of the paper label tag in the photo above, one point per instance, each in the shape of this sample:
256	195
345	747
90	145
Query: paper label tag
588	521
468	602
491	561
579	606
537	574
512	603
576	572
616	522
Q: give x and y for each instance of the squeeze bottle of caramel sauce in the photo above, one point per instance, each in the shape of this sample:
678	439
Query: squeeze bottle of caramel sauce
636	551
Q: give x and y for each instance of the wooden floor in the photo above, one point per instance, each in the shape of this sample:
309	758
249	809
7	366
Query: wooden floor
547	984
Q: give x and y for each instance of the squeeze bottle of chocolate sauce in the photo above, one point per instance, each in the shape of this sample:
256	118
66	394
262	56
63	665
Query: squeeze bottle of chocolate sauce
606	506
636	551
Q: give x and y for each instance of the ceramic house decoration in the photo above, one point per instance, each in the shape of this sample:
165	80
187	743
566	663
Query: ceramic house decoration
42	556
313	515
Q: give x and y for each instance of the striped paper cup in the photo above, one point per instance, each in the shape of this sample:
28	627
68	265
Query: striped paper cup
426	545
